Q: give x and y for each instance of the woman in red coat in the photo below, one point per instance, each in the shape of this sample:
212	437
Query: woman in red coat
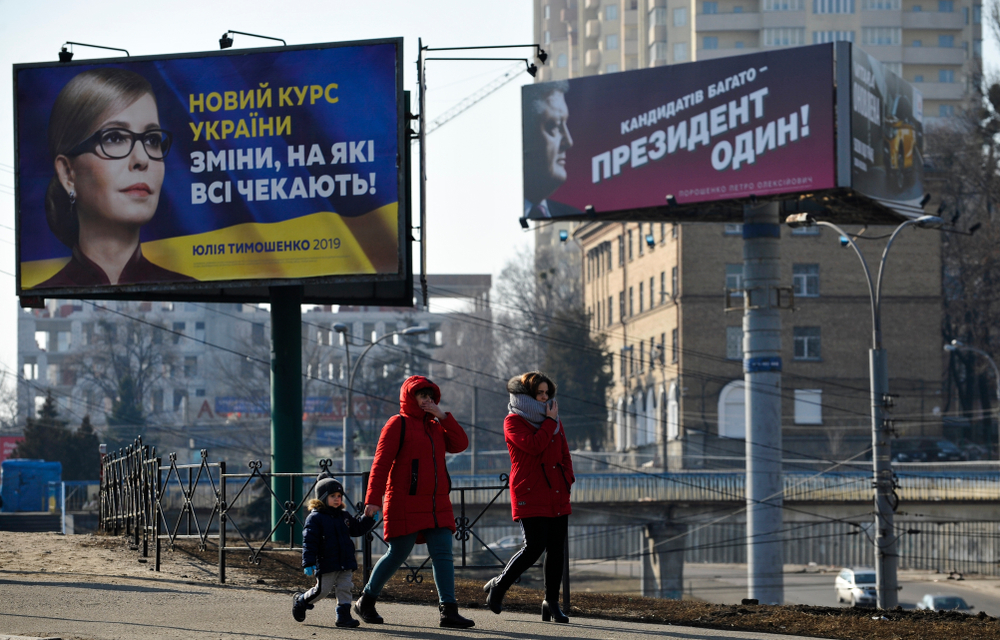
541	474
410	483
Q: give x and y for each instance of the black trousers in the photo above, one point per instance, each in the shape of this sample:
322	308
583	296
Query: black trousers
540	534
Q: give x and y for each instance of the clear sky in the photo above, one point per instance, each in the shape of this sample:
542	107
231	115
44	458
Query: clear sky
474	182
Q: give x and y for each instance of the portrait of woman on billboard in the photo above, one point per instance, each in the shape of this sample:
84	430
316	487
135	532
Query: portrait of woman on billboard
107	150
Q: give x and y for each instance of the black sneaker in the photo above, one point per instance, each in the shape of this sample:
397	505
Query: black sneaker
299	607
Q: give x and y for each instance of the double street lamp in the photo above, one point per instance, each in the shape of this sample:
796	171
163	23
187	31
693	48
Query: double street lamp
958	345
886	559
349	413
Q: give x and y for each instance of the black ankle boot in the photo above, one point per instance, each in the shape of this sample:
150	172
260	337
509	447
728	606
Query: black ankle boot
344	618
551	608
365	608
451	618
495	593
299	607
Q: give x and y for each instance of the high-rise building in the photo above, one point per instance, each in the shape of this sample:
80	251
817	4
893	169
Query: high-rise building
936	44
659	291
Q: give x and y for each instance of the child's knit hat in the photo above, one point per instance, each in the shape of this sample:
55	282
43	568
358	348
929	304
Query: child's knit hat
326	485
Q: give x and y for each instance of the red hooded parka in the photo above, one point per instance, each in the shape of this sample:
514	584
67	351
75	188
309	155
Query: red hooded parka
409	480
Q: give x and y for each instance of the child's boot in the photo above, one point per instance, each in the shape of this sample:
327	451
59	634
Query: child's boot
299	607
344	618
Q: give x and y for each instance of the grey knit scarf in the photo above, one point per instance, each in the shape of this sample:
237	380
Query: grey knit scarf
528	408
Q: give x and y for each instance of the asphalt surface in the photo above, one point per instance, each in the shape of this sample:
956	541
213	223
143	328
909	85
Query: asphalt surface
74	607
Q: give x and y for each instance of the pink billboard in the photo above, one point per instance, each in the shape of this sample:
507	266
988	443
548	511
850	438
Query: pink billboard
7	446
726	129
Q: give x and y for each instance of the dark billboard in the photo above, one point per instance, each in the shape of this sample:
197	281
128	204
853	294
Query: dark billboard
707	136
213	174
887	120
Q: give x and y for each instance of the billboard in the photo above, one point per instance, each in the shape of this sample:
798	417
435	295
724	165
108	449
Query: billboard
695	141
214	174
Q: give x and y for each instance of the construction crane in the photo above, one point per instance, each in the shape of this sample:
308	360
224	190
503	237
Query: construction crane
471	100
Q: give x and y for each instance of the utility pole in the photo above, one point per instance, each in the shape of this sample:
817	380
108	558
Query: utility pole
474	427
762	377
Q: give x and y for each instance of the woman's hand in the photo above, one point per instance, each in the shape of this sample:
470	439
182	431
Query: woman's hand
430	407
552	409
371	510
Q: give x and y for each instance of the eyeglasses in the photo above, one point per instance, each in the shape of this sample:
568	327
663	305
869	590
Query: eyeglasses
118	143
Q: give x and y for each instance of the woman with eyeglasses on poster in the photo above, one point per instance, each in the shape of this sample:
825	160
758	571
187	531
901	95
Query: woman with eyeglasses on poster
108	151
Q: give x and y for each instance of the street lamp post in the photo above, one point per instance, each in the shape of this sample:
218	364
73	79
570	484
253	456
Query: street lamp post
958	345
886	559
349	413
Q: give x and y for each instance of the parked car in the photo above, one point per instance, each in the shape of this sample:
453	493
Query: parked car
943	602
856	585
926	450
504	549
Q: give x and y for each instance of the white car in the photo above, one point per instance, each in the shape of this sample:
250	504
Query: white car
943	602
856	585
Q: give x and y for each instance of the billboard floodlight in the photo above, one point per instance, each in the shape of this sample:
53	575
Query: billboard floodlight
66	55
226	41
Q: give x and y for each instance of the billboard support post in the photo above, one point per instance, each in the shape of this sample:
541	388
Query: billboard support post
762	377
286	403
422	142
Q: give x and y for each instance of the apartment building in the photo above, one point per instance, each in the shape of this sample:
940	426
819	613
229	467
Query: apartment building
206	365
660	292
936	44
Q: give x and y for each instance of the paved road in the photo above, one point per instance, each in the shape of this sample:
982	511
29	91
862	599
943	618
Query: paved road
75	607
726	584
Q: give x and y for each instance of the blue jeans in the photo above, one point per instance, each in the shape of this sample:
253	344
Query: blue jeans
439	548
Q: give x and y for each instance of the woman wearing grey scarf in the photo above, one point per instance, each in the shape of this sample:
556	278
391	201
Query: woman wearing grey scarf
541	475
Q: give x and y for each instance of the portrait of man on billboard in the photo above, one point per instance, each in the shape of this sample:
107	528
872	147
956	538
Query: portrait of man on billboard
546	139
107	151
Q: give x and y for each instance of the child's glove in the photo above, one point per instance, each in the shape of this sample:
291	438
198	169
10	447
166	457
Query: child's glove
311	571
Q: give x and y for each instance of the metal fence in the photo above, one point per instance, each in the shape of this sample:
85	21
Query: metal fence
156	502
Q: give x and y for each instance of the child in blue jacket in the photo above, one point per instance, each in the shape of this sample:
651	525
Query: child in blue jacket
328	551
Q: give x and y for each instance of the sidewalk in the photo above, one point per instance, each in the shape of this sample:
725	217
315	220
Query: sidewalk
87	607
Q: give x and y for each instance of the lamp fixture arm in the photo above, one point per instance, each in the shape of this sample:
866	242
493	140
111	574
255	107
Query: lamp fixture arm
96	46
255	35
872	291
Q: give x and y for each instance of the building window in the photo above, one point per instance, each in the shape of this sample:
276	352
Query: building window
611	12
674	283
917	8
734	343
732	411
881	35
917	43
807	343
546	11
709	8
178	332
680	52
738	44
658	17
821	37
946	42
652	301
918	78
681	17
784	37
157	400
784	5
734	279
547	37
611	311
179	396
833	6
611	68
621	306
808	406
977	14
621	250
631	302
673	414
562	61
675	347
611	42
658	51
30	370
663	287
630	245
977	48
946	110
190	366
710	42
946	6
732	229
946	75
805	280
880	5
257	333
737	9
642	297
